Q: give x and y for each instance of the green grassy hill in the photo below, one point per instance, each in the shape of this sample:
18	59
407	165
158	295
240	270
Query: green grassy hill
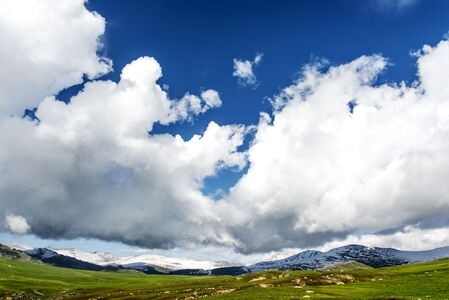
21	279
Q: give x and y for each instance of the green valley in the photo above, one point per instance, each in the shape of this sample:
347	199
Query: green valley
20	279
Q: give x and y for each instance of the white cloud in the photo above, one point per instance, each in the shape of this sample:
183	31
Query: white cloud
243	70
211	98
319	172
94	171
16	224
93	167
46	46
191	105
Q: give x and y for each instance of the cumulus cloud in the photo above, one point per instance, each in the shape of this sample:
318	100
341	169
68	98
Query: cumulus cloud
16	224
46	46
243	70
339	154
93	167
343	154
191	105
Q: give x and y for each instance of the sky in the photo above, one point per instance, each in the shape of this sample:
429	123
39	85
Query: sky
224	129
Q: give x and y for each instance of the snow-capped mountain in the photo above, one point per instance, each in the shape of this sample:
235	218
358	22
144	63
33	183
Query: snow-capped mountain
140	261
98	258
374	257
43	253
171	263
52	257
307	260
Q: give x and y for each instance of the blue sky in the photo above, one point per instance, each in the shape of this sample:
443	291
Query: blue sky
196	44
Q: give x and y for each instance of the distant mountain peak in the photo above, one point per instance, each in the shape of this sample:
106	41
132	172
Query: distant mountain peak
10	253
139	262
42	252
370	256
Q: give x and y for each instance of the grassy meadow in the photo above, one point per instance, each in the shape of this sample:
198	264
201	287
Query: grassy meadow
30	280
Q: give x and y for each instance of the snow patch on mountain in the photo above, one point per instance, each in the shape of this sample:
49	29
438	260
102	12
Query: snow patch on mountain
371	256
42	253
140	261
98	258
170	263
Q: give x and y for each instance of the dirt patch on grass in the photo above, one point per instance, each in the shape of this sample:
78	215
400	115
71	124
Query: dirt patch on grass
328	279
224	291
258	279
337	279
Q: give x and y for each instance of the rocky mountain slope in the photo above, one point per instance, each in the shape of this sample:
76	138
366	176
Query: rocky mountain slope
51	257
7	252
370	256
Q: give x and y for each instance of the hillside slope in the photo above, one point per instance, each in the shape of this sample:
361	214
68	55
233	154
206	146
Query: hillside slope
147	263
29	280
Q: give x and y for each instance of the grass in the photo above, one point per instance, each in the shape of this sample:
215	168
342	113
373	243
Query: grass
29	280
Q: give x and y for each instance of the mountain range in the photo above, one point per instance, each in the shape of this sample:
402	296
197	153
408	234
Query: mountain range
146	263
162	262
155	264
370	256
